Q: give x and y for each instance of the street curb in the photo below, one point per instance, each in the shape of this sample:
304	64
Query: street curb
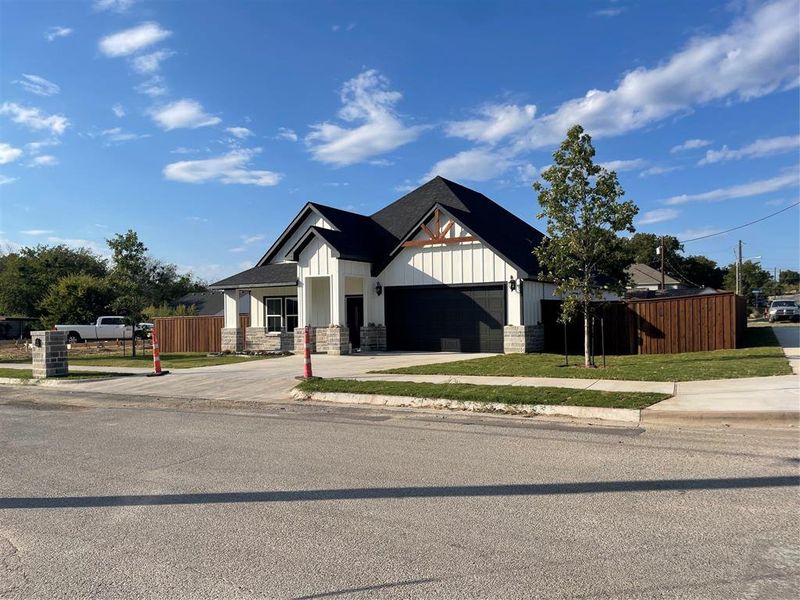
59	382
753	418
619	415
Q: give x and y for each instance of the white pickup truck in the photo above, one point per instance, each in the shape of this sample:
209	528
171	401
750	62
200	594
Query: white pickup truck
106	328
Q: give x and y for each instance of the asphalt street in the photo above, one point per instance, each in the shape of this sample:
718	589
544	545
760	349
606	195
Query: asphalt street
115	496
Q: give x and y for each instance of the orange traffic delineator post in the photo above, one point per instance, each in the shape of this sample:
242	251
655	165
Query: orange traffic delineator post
307	374
157	372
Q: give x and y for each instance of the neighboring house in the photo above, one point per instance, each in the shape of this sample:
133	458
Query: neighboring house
444	268
13	328
210	303
645	277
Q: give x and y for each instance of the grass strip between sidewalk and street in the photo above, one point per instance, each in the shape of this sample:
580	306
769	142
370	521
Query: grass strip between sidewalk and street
487	393
760	357
28	374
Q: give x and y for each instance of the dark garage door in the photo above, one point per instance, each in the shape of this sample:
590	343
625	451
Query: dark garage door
448	319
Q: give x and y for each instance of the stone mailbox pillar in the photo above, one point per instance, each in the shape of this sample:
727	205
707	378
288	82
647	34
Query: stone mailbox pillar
49	351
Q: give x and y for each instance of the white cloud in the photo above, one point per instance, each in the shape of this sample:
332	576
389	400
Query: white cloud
496	122
478	164
45	160
38	85
690	234
117	134
229	168
118	110
284	133
757	55
119	6
130	41
368	104
745	190
183	114
239	132
658	170
659	215
153	87
4	180
33	118
150	63
624	165
35	232
9	153
690	145
527	173
757	149
36	147
609	12
56	32
95	247
251	239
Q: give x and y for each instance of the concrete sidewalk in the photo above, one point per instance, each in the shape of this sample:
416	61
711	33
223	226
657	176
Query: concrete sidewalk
607	385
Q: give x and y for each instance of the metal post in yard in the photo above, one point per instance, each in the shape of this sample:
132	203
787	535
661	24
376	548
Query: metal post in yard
566	353
591	352
603	338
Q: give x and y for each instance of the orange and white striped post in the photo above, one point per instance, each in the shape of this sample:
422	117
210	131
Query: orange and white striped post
156	357
307	354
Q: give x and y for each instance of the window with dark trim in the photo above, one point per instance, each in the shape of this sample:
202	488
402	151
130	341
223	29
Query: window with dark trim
280	313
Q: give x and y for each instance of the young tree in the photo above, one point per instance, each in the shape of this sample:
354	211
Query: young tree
583	252
129	277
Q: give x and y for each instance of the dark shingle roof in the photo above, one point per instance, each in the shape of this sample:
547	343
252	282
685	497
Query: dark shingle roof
266	275
506	233
374	238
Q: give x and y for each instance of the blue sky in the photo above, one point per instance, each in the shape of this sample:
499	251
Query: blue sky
206	126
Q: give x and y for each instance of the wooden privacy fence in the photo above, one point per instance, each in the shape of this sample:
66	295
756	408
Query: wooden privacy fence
193	334
654	325
689	323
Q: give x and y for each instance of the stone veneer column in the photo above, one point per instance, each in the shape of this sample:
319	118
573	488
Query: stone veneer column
232	339
338	340
49	353
373	338
520	339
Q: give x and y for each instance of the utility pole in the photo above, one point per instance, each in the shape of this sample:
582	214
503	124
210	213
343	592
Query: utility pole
662	263
739	269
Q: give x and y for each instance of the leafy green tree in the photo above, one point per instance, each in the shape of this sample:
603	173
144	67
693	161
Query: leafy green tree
129	277
75	299
642	248
583	252
701	271
789	278
753	277
27	275
165	310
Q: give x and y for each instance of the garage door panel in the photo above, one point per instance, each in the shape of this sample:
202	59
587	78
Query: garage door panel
452	319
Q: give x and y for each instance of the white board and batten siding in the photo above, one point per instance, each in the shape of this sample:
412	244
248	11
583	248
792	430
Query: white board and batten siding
452	264
312	220
533	293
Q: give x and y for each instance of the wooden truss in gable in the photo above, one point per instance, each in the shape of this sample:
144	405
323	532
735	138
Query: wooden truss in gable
439	234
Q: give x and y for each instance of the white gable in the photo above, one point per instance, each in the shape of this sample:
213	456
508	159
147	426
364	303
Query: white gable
452	264
312	220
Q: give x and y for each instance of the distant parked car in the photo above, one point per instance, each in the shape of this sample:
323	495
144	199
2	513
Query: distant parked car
783	310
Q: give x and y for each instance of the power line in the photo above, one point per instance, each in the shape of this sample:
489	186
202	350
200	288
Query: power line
702	237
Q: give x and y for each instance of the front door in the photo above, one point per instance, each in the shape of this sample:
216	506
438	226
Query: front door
355	319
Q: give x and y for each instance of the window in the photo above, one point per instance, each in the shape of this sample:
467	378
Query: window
274	308
112	321
291	314
281	313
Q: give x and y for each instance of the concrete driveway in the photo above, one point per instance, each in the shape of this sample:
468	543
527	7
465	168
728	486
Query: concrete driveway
268	379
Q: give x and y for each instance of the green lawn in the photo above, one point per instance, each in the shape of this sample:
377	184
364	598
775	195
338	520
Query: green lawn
487	393
28	374
762	357
182	360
